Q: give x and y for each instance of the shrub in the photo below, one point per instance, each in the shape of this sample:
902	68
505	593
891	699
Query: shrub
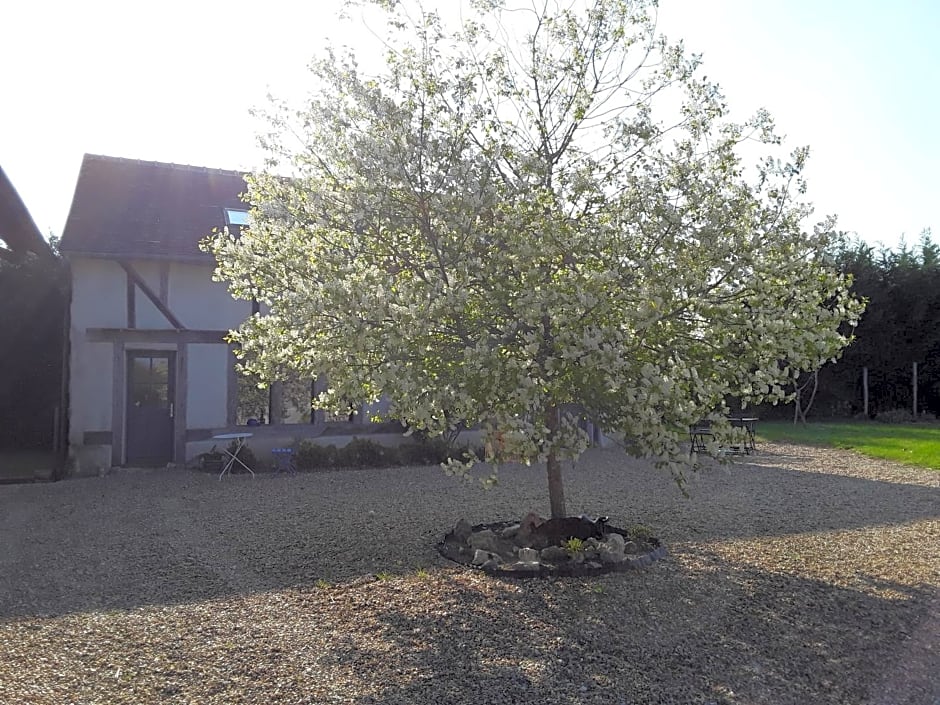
311	456
363	453
434	451
895	416
246	455
640	532
211	461
424	451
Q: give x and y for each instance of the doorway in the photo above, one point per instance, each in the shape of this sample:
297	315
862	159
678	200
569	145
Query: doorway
151	392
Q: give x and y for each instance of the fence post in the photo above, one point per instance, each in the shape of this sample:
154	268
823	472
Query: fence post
865	390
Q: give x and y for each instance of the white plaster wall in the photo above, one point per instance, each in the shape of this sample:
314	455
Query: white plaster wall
207	377
201	303
98	300
99	294
147	315
90	386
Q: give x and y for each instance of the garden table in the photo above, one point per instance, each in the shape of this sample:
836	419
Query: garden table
701	432
749	424
239	440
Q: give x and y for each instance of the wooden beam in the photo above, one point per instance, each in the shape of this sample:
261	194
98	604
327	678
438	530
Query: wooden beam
154	335
151	294
131	303
180	401
165	282
118	402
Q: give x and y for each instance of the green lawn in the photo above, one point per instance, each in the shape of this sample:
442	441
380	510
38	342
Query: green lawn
908	443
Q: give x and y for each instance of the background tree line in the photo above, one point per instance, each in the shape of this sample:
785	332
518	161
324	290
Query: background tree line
900	326
33	302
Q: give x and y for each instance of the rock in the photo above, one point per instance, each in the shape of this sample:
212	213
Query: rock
480	557
531	521
485	540
608	556
614	542
632	547
520	567
492	563
509	532
591	552
553	554
528	555
462	531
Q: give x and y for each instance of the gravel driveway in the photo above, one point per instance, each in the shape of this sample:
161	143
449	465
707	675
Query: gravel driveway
796	576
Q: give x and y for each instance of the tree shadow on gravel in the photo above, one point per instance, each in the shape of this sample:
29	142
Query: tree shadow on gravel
717	633
93	544
765	497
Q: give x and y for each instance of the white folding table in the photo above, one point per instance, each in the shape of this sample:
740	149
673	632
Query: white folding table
239	439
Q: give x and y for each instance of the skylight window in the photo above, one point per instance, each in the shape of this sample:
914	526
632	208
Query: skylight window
233	216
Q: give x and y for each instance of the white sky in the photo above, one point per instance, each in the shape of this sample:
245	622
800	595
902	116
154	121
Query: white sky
857	80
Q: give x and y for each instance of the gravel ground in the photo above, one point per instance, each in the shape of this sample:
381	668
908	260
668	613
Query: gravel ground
796	576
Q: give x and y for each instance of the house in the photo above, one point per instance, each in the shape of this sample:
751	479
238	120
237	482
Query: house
151	374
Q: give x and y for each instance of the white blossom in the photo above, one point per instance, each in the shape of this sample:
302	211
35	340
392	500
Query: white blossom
500	234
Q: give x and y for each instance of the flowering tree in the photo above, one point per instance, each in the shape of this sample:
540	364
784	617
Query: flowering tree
504	228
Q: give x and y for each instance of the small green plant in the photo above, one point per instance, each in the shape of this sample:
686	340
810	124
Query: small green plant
322	584
422	573
640	531
383	575
573	545
598	589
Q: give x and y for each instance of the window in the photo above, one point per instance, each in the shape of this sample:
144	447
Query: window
233	216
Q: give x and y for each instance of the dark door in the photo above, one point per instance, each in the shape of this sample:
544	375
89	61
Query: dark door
151	390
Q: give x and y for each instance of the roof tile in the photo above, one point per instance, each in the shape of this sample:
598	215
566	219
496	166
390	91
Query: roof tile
133	208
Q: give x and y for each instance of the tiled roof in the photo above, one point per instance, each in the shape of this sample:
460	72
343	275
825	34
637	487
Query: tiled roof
133	208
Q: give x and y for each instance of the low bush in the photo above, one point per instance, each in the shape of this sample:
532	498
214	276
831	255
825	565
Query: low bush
363	453
312	456
211	461
423	451
895	416
246	455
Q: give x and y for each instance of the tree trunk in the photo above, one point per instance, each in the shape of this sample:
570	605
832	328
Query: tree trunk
812	396
556	488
